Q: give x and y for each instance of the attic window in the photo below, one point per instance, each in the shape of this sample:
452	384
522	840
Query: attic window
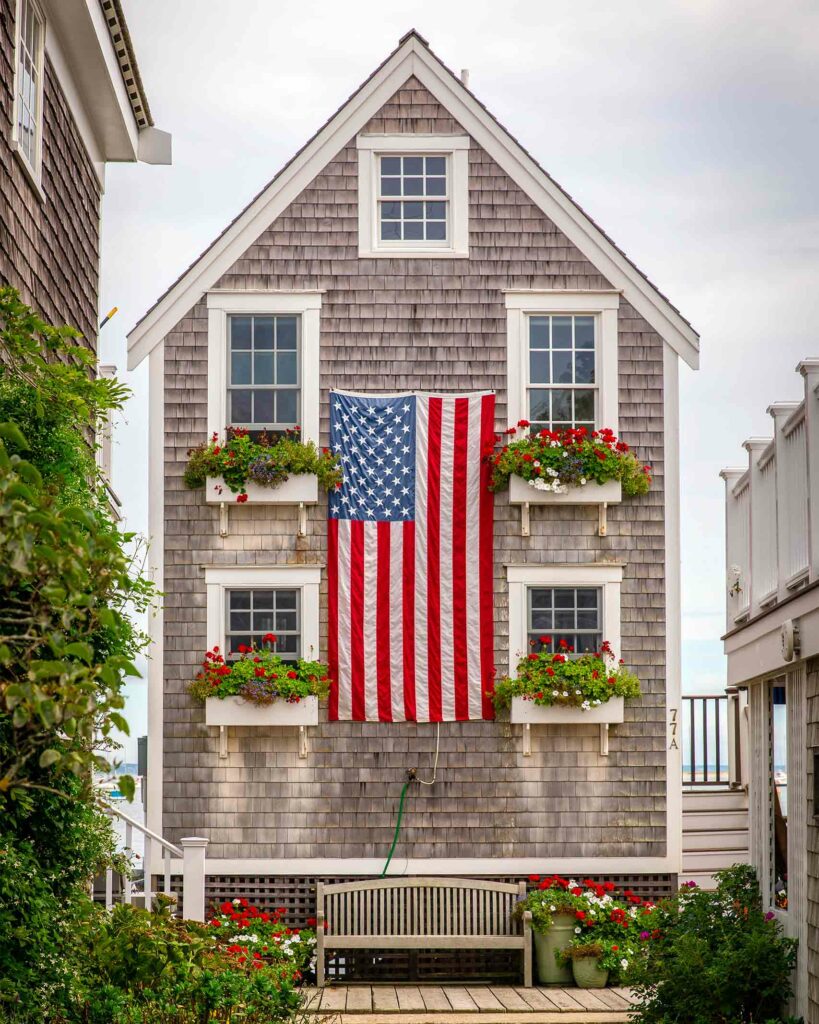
413	195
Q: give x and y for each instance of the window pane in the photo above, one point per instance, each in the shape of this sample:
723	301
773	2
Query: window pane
587	643
241	406
390	186
264	621
263	368
413	229
586	619
540	598
413	165
587	597
236	641
541	619
263	332
539	367
240	368
287	646
584	367
239	599
390	164
436	230
240	332
391	211
584	405
286	331
286	599
561	406
584	332
436	165
286	368
436	186
263	407
286	407
561	332
263	598
413	211
539	331
390	230
539	406
562	367
239	621
285	620
413	186
436	211
564	598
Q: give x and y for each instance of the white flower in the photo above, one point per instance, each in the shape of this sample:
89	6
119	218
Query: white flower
582	479
555	693
577	931
624	964
553	909
531	483
565	693
536	464
565	455
577	692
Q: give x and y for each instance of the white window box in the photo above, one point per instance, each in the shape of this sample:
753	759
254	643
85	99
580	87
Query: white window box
299	489
592	493
527	714
236	711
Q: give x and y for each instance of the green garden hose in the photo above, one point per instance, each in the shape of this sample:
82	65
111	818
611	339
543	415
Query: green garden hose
397	825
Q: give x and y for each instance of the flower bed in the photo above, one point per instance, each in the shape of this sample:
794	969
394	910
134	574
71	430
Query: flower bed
553	462
259	676
258	938
243	466
555	679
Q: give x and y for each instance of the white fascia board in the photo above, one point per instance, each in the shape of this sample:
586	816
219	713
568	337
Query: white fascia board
452	866
412	58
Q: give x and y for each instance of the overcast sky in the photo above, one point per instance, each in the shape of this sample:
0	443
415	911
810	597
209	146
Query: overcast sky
688	130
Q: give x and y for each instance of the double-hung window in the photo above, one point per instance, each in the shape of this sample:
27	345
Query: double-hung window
413	195
562	359
564	615
28	84
253	614
263	372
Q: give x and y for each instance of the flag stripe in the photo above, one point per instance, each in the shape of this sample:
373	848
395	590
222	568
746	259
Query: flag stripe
460	637
398	681
434	561
356	636
332	616
408	620
370	629
473	579
421	574
487	642
383	637
445	535
345	702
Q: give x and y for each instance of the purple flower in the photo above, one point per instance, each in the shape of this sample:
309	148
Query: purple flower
645	935
770	916
689	885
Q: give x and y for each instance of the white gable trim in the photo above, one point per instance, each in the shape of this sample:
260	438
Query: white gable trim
412	58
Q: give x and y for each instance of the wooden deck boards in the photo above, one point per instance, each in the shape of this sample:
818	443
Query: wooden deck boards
464	1004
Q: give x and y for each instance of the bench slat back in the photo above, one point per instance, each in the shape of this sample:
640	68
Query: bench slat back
422	906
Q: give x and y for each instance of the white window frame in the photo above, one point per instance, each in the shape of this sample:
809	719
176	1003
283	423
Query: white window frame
34	169
456	149
306	579
307	306
603	305
520	577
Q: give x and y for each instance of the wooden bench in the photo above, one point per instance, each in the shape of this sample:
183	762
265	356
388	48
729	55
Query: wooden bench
422	913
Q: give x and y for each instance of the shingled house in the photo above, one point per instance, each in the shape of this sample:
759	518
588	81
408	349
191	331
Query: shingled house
447	295
75	102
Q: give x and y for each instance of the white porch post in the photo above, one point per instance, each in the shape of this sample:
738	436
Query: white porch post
193	877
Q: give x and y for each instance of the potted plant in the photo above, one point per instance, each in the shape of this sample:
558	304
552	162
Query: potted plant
282	469
567	914
556	686
571	465
592	962
259	688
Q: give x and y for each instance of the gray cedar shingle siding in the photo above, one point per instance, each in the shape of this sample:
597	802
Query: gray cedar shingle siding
415	324
49	248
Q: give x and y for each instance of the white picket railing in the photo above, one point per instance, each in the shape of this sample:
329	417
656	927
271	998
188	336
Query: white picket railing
772	508
191	852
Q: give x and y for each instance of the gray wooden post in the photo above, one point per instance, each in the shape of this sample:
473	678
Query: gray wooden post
193	877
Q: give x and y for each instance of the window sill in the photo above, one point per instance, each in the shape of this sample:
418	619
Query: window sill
410	254
521	493
29	171
238	712
301	489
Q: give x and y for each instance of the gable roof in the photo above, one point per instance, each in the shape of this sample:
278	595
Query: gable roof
413	57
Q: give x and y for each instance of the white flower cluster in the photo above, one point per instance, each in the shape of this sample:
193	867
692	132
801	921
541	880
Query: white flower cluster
587	705
554	485
244	937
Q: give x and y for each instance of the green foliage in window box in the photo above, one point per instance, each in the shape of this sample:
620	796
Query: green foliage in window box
557	679
266	462
259	676
559	460
718	957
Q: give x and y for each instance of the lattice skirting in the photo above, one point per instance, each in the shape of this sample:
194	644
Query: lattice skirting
298	894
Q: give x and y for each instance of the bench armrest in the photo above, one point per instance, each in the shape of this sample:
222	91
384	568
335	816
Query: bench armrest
527	918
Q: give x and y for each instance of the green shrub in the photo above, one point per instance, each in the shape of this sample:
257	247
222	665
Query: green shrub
713	957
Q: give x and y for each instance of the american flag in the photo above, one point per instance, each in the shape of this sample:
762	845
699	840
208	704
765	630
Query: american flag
410	558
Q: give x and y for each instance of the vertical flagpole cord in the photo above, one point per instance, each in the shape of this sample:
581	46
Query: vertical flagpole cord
404	788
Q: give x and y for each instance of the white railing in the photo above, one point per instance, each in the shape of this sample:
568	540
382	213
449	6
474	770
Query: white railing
191	852
772	508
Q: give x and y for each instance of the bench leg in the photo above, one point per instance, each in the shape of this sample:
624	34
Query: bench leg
527	952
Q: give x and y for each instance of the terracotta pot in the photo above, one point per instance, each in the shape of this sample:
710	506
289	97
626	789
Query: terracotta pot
558	936
588	973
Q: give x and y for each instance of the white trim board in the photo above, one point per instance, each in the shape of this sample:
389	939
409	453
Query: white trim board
435	866
413	58
156	568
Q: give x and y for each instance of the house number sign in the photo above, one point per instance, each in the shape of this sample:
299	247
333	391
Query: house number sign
672	729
